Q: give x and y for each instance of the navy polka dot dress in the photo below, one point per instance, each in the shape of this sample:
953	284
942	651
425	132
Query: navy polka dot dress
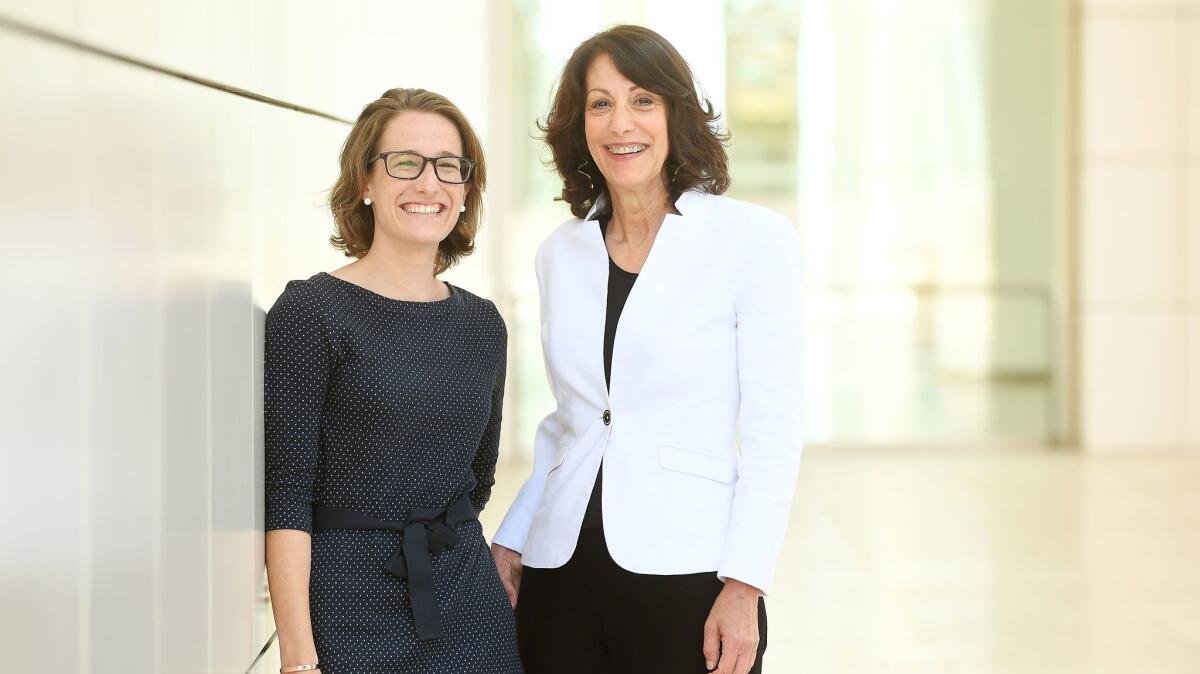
382	407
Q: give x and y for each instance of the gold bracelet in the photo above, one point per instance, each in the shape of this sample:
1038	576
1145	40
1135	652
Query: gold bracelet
298	668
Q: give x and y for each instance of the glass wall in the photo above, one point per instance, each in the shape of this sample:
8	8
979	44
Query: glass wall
918	147
930	211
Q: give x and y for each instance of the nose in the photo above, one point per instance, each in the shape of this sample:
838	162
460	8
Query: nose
428	180
621	120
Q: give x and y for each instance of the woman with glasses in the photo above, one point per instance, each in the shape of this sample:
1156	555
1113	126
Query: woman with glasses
382	404
649	529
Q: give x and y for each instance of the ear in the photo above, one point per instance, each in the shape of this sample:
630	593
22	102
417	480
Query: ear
364	186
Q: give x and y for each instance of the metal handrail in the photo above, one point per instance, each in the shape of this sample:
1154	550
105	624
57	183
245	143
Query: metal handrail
926	290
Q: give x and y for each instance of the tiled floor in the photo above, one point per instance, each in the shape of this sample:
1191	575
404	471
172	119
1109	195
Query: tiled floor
965	561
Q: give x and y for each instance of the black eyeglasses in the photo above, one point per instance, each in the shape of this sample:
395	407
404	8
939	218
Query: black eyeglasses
410	166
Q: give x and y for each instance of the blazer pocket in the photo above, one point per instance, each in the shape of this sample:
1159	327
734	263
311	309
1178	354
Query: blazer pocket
694	462
558	457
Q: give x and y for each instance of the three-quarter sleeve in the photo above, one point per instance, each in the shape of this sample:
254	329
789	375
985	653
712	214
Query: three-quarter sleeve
296	372
484	463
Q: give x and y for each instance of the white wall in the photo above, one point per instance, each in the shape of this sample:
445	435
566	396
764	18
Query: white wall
1139	223
147	224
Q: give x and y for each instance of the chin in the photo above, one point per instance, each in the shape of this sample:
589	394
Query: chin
429	238
422	234
630	182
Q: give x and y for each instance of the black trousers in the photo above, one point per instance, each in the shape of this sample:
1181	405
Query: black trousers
590	616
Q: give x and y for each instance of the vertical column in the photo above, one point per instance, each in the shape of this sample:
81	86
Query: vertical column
1130	302
1190	181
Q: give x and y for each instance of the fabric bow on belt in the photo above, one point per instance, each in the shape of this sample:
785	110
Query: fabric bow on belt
427	532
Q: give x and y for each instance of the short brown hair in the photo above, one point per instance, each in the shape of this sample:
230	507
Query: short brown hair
355	222
697	145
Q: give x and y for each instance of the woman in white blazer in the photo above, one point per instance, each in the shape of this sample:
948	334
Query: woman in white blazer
648	531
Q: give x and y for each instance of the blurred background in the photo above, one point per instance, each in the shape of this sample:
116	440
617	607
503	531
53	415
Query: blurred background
1000	207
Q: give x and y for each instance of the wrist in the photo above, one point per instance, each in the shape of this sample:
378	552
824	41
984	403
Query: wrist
504	550
739	588
298	658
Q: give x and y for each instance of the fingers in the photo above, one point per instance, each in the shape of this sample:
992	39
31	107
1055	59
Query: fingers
508	567
747	658
510	577
510	589
712	644
728	660
514	579
737	654
732	662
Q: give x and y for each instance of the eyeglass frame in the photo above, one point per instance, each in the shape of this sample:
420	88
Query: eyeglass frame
424	162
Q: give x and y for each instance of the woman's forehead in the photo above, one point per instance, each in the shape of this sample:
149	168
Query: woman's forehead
428	133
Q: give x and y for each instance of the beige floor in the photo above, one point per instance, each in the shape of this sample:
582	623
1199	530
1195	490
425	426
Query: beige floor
979	561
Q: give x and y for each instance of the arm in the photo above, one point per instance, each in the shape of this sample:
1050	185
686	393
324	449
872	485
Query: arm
289	556
484	464
770	383
770	412
296	375
514	529
510	538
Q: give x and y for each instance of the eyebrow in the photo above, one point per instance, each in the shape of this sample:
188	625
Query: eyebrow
631	88
443	153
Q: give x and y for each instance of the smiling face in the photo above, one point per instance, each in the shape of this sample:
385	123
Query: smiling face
626	129
422	211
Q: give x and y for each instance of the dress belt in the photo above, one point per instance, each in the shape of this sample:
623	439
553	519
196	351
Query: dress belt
427	531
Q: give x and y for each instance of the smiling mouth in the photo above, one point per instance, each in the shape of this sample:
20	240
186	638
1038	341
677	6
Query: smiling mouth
627	149
422	209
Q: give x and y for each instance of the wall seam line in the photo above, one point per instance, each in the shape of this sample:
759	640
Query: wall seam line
14	26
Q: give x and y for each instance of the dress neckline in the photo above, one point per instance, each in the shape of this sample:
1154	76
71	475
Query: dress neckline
391	302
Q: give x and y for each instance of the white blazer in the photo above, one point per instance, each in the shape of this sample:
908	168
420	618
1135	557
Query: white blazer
704	432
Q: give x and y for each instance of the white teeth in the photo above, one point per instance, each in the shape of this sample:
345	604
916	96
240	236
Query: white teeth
626	149
422	208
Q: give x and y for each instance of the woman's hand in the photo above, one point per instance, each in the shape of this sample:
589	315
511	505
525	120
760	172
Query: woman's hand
508	564
731	631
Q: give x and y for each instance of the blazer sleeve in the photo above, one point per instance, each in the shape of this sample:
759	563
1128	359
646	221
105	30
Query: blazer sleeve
514	530
768	304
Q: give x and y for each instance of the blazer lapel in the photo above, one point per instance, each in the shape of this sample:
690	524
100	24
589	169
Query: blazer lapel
653	298
581	294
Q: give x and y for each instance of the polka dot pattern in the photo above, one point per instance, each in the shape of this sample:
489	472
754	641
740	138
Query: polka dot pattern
380	406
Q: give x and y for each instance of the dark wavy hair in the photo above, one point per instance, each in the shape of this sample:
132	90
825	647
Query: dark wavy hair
697	144
354	222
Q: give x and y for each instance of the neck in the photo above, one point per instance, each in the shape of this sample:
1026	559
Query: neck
402	271
638	213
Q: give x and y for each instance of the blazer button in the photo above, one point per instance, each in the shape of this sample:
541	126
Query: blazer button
607	417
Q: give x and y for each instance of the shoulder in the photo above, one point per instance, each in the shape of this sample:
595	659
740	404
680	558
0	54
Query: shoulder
761	240
481	311
474	303
760	234
560	236
311	295
743	218
305	307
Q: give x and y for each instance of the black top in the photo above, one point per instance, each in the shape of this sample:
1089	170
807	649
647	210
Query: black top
620	283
